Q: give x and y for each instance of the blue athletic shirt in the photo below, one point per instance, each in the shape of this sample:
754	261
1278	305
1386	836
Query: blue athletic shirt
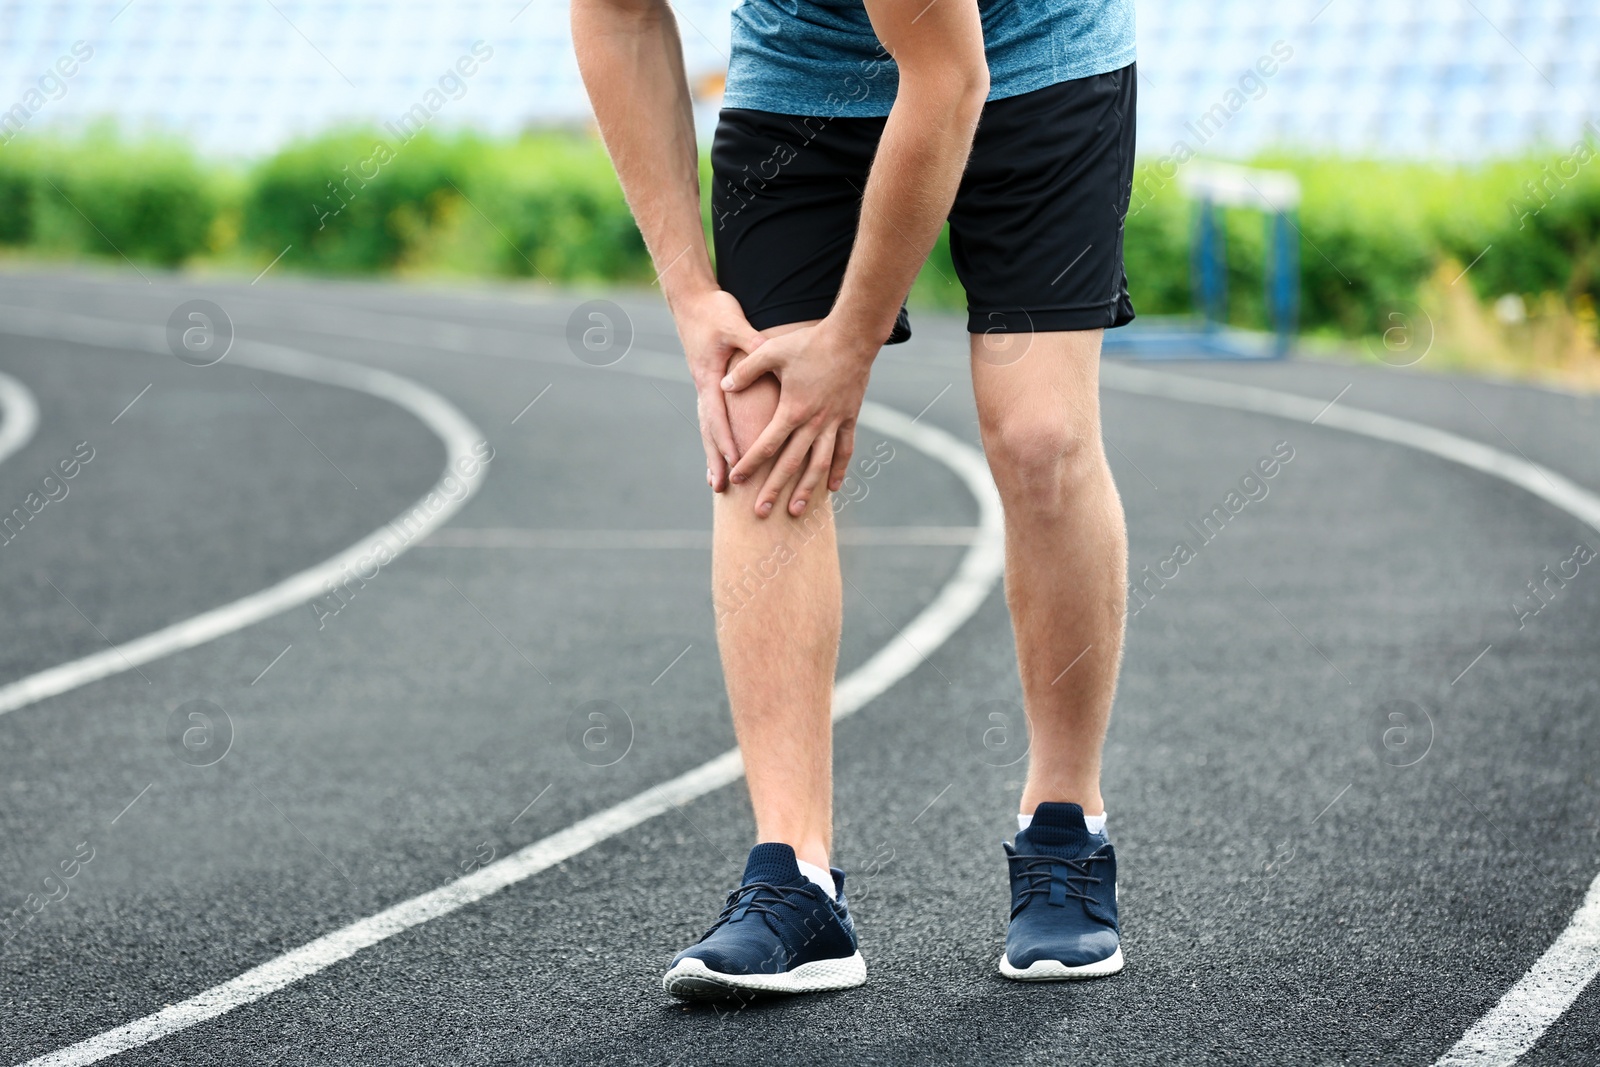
821	58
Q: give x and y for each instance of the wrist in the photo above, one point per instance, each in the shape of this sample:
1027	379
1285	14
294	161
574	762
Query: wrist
685	283
853	339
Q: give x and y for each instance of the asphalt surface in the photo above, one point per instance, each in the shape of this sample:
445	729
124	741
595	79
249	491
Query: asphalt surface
1289	895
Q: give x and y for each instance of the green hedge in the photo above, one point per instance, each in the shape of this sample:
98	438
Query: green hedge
99	195
18	178
1373	232
1548	239
348	202
547	206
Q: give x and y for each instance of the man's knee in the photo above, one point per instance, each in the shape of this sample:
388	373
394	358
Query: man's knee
750	410
1042	456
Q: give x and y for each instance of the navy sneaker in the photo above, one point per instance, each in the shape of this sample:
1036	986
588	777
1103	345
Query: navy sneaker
780	933
1063	900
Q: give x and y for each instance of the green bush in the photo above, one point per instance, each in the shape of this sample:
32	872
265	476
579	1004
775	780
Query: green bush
1371	233
1155	246
547	206
936	286
1545	231
18	176
1365	242
99	195
1374	232
1366	235
358	201
562	213
355	201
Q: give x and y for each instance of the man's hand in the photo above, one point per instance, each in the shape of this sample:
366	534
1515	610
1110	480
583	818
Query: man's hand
822	379
713	330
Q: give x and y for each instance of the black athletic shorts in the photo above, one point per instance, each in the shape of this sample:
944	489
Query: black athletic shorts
1036	230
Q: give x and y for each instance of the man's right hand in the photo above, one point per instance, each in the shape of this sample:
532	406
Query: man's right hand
713	329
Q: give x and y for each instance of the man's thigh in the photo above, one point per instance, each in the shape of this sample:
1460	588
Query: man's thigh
1044	384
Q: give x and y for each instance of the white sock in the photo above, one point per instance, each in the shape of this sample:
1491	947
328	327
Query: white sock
820	875
1095	823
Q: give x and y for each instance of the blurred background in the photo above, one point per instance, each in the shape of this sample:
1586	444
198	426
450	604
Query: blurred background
1444	150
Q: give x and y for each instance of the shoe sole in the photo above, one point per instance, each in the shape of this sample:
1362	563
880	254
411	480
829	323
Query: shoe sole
691	979
1055	971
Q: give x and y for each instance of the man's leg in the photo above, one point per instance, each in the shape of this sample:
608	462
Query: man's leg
776	586
776	590
1036	235
785	929
1066	548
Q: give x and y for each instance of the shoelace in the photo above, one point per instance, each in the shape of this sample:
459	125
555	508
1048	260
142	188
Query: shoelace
764	895
1037	871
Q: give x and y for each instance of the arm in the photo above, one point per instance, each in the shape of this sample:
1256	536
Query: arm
823	369
632	64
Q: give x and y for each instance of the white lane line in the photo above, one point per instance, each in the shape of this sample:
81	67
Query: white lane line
956	602
430	512
1556	979
19	416
1535	478
611	540
1576	958
1528	1008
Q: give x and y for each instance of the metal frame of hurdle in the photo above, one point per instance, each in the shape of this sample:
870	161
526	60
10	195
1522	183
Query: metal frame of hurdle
1207	335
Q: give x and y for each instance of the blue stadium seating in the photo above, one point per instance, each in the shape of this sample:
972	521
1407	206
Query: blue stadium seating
1435	79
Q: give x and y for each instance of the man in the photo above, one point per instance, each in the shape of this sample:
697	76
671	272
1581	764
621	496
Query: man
836	161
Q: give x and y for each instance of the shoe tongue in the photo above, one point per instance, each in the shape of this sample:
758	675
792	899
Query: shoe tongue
774	863
1056	830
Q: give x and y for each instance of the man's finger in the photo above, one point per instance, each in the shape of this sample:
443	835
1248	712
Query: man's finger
842	451
816	470
721	452
772	438
745	340
716	466
745	373
786	469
